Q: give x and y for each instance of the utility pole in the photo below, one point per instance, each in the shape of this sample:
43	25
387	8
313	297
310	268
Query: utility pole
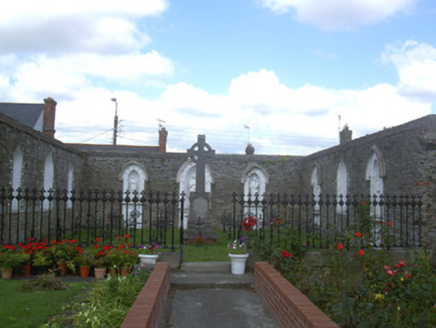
115	122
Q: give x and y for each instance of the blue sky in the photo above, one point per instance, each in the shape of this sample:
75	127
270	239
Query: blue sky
286	68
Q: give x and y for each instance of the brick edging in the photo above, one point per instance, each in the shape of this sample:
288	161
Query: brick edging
287	303
150	303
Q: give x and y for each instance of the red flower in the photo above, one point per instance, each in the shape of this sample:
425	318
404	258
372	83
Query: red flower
390	273
118	237
126	251
96	246
106	248
100	253
286	254
127	236
362	203
64	240
80	251
96	240
72	241
389	224
361	253
31	239
400	264
358	234
279	221
248	223
340	247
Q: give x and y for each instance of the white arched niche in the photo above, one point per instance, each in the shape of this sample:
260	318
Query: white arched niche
186	178
134	177
254	181
17	169
70	185
48	178
316	189
375	172
341	187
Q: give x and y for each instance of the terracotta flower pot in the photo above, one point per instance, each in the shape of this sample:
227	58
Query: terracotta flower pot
6	273
63	268
84	272
112	272
99	273
124	272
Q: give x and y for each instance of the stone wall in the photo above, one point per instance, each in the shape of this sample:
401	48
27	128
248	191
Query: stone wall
407	153
103	170
35	148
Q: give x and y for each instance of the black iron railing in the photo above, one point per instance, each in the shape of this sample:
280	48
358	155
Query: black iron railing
88	214
316	221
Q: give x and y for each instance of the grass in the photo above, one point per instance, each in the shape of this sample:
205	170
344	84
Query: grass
31	309
216	252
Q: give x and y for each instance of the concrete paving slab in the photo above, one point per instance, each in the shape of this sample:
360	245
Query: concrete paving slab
218	308
210	280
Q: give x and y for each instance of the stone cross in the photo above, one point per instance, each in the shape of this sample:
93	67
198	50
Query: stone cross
199	152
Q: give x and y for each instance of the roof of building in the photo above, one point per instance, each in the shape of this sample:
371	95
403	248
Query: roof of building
27	114
118	148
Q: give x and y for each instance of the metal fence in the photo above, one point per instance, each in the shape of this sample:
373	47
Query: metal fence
150	216
316	221
88	214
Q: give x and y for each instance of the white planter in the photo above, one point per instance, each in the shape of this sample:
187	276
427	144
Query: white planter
238	263
148	260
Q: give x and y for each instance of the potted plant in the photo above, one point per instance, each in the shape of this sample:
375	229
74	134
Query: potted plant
42	259
83	259
128	259
148	254
238	250
9	259
238	254
63	254
113	261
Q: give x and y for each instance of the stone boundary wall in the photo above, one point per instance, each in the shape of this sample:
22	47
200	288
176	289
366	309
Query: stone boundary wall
150	303
35	147
287	303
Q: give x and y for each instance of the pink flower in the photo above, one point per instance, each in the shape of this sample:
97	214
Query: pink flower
400	264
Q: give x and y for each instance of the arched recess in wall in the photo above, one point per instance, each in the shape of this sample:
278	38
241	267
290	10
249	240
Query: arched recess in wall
254	180
186	178
17	169
341	186
134	177
70	184
375	172
48	178
315	181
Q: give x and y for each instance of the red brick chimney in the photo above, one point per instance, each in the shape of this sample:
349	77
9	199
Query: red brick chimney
163	133
48	127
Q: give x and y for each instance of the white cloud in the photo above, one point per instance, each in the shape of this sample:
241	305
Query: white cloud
416	66
88	26
339	14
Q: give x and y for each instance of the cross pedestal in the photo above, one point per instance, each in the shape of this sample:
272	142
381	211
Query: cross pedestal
199	222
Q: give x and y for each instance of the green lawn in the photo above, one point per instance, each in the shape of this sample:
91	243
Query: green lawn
31	309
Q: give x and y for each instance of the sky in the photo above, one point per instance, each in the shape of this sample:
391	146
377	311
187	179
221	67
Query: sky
283	75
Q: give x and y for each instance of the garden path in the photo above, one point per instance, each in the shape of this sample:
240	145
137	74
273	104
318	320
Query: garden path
207	295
